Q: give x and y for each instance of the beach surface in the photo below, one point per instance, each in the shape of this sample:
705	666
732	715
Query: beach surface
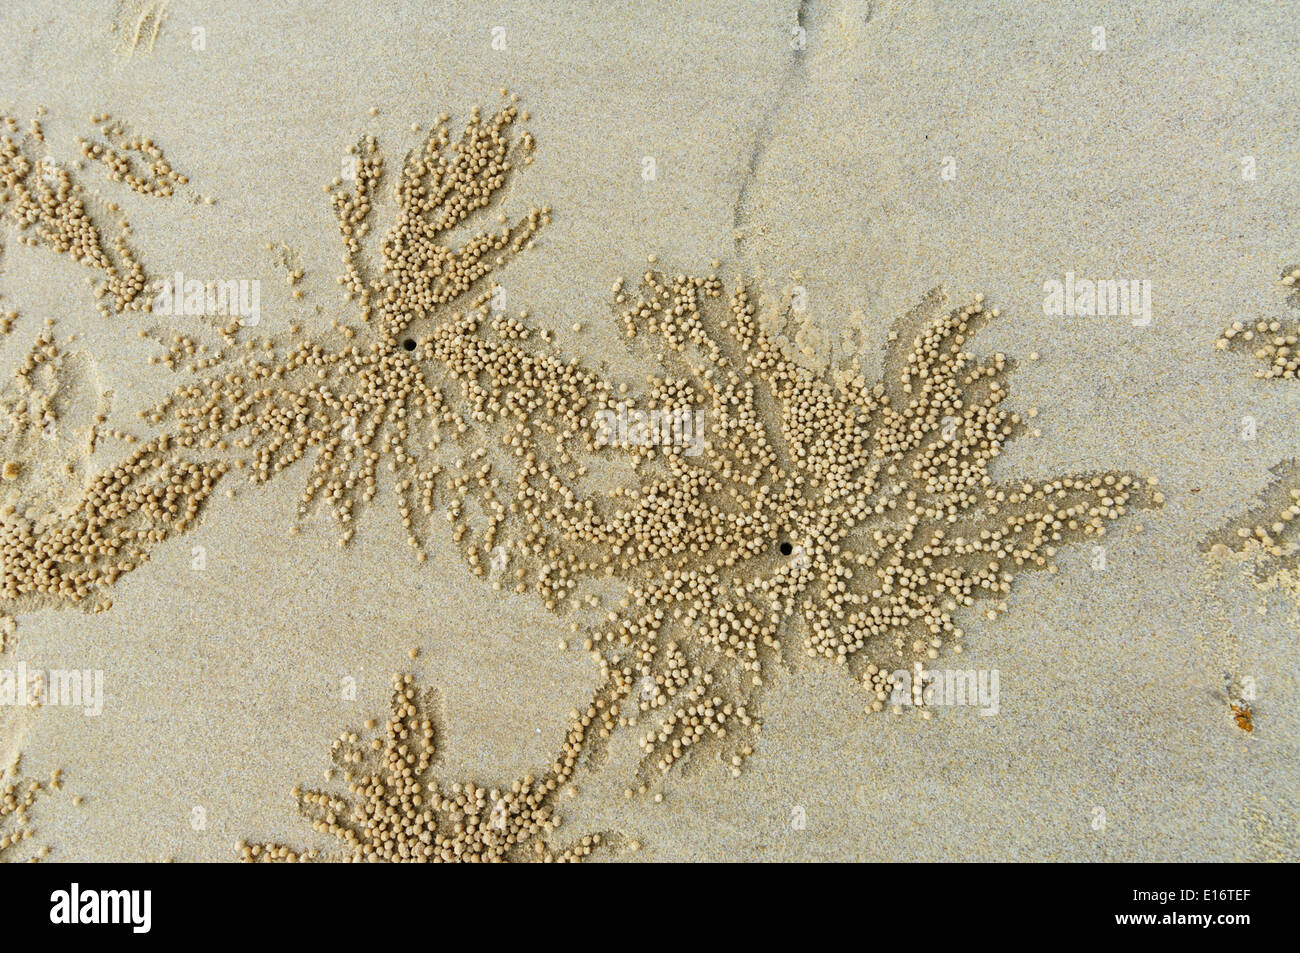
859	153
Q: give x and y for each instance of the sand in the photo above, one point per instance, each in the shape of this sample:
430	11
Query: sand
1114	739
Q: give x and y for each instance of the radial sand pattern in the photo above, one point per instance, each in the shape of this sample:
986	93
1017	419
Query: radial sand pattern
752	505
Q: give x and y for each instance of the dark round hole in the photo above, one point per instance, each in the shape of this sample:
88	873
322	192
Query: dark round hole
409	344
786	549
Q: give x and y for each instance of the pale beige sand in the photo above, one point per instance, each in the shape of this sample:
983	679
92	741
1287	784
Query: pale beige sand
221	684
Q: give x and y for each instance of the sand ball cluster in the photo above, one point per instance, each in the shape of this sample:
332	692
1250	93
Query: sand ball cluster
1270	532
1274	343
43	201
134	160
395	811
855	515
18	795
